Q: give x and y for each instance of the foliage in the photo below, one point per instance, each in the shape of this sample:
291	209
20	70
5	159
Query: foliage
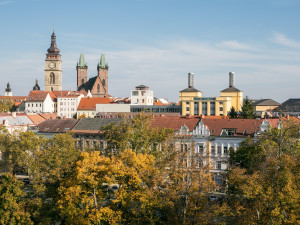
248	111
233	113
6	105
264	187
85	197
136	134
12	204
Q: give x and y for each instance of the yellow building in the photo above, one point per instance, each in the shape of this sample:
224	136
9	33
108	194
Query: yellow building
192	102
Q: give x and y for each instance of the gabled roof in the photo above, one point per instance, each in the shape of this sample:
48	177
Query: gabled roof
39	96
291	105
94	124
174	123
18	120
266	102
56	126
49	116
60	93
88	85
242	127
15	98
36	119
90	103
231	89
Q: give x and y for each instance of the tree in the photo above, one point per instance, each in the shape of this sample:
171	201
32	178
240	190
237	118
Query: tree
6	105
233	113
248	109
136	134
264	187
85	197
12	204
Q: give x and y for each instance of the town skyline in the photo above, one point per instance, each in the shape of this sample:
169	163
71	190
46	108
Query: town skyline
157	44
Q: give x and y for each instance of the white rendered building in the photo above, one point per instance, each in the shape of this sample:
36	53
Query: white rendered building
141	96
67	104
40	102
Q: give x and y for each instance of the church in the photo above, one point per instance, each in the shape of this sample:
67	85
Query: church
97	86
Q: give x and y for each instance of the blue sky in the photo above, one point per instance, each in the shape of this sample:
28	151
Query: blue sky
157	43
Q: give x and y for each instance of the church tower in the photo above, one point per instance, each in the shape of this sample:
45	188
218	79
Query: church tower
102	68
53	71
81	71
8	90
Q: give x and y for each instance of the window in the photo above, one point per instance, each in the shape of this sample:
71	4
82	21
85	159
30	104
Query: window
98	87
82	81
228	132
221	109
135	93
225	150
187	108
200	149
213	150
219	165
52	78
219	150
218	179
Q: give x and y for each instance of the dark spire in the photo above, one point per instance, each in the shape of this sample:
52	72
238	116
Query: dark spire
36	87
8	89
53	48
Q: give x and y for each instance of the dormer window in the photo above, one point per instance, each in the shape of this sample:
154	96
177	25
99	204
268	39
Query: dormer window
228	132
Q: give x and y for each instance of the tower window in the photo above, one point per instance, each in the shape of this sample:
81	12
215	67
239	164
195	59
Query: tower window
82	81
52	78
98	88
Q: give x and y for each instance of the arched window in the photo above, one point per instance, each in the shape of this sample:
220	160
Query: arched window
98	87
103	82
82	81
52	78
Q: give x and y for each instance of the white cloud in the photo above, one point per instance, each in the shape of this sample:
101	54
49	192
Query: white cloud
6	2
164	68
281	39
235	45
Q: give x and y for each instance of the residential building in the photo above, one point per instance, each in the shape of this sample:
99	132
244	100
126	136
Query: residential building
14	121
87	106
141	96
67	103
264	107
40	102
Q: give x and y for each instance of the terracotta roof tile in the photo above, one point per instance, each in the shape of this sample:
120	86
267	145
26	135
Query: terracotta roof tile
49	116
39	95
242	126
90	103
36	119
174	123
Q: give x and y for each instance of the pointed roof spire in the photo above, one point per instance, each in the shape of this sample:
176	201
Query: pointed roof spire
81	62
102	63
8	89
53	48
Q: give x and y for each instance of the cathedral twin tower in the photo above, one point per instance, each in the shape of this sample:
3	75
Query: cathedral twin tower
98	85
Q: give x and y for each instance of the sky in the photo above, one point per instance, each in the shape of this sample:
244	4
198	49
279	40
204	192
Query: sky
157	43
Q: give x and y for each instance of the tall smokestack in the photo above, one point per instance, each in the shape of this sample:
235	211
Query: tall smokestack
191	80
231	79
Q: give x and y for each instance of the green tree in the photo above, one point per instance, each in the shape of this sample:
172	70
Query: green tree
12	203
6	105
233	113
136	134
248	109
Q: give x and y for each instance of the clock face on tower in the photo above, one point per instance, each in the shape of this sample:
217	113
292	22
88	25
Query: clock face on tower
52	65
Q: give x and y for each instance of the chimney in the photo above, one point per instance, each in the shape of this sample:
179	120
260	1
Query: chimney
191	80
231	79
14	115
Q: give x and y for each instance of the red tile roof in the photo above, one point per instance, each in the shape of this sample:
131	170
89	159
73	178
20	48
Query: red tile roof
90	103
242	126
36	119
49	116
174	123
39	95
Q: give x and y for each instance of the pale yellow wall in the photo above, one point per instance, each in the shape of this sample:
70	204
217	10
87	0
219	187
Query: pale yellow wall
185	97
88	113
236	99
265	108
